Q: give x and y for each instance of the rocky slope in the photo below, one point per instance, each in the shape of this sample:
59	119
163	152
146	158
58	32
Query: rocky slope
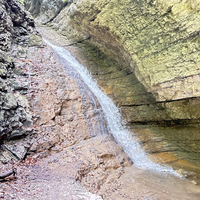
63	148
144	55
44	111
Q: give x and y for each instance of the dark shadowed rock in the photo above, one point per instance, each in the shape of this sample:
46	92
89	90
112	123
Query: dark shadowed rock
16	26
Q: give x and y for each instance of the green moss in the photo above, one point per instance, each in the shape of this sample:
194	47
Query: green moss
22	1
35	40
114	78
2	71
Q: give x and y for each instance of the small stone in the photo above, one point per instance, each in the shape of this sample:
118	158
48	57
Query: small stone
9	101
193	182
181	172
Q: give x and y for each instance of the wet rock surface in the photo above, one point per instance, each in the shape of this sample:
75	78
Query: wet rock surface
144	55
165	143
113	190
37	180
64	145
155	43
63	121
66	174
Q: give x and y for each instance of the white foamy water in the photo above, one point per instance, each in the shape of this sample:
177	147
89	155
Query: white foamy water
111	113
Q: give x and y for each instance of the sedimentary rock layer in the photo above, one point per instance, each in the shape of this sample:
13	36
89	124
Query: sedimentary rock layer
156	43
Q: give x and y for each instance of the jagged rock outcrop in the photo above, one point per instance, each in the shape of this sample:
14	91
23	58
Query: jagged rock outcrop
16	30
155	45
44	10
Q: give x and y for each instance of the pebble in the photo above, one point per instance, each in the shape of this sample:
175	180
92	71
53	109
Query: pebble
193	182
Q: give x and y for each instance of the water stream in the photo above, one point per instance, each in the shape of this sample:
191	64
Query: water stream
108	111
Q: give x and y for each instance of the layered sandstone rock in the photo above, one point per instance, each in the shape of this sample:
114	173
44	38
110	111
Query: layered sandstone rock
156	46
144	55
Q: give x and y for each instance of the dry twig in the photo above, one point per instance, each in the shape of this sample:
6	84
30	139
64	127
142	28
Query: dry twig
8	173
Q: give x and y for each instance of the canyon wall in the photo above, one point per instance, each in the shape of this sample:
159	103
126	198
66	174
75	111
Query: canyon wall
46	108
16	28
145	55
152	54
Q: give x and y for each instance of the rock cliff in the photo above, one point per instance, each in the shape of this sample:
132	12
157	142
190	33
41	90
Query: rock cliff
144	55
16	28
123	43
152	48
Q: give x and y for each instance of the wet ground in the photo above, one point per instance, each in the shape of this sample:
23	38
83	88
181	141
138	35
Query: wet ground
54	178
46	179
173	146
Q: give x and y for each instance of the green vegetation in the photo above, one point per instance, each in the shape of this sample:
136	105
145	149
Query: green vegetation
35	40
22	1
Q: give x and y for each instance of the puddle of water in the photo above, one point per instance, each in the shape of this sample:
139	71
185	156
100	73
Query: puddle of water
176	146
156	186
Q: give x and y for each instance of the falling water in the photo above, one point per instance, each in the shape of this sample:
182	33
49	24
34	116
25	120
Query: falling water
111	113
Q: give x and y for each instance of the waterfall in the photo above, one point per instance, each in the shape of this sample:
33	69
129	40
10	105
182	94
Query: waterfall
111	113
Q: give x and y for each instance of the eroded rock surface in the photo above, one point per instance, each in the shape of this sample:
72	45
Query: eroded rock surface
145	56
45	110
169	143
155	44
66	120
